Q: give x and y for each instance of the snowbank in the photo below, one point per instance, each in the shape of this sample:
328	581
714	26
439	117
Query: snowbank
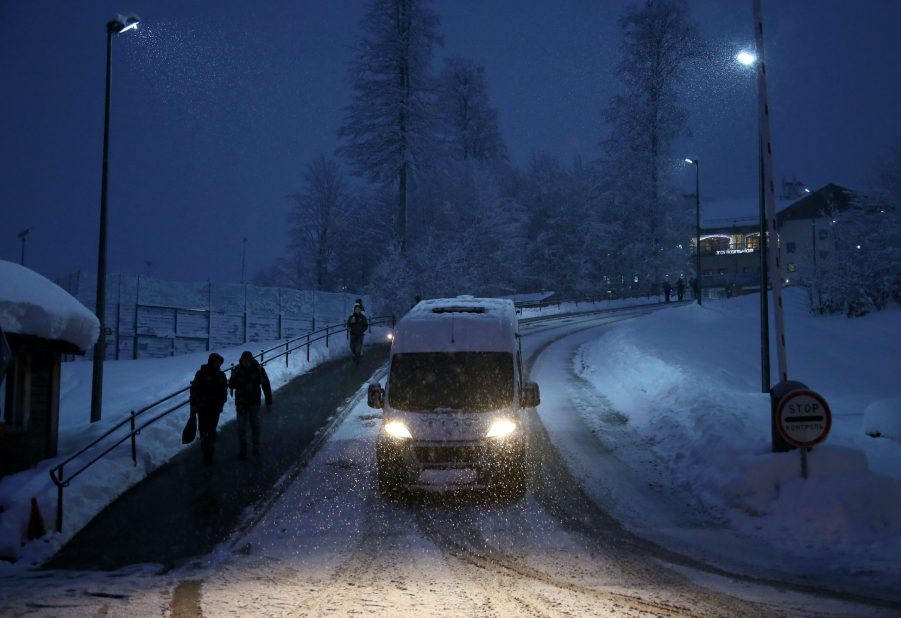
688	381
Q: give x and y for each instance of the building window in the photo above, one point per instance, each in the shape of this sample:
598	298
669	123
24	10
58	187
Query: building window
790	247
823	234
723	271
753	241
791	267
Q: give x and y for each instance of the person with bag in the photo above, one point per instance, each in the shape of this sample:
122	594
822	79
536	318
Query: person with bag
356	326
209	391
247	379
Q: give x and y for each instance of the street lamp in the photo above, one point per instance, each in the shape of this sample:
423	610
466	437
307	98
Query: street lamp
749	59
122	24
697	164
243	258
22	236
746	58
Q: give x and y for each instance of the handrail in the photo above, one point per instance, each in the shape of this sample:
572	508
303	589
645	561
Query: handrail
56	473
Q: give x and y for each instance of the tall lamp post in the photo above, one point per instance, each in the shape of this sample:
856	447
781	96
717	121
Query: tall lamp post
749	59
697	164
22	236
243	258
122	24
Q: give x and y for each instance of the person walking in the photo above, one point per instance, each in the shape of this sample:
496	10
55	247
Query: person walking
667	290
247	379
680	288
209	391
356	326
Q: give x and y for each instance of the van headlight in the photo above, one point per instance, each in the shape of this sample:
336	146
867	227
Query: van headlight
397	429
501	428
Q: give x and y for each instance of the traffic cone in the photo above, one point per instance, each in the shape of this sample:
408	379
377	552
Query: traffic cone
35	522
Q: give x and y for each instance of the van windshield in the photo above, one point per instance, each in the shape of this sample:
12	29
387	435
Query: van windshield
464	381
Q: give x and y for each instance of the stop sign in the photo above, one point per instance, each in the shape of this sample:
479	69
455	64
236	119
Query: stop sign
803	418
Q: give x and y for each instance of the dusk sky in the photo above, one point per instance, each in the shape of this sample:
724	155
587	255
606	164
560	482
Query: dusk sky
218	106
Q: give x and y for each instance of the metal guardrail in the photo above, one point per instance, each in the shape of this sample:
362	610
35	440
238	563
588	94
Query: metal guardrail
543	304
137	423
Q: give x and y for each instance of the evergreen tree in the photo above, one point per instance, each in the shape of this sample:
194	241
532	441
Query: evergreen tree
468	125
387	123
659	40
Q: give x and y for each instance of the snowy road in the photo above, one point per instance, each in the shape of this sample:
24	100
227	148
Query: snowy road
329	544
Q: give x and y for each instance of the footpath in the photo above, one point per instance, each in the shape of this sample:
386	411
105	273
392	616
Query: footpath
184	509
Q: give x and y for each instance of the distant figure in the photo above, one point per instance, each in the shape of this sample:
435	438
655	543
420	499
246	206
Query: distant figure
667	290
680	288
209	390
248	378
416	301
356	326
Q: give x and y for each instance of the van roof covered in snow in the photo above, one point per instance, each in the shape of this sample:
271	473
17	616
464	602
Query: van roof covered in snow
457	325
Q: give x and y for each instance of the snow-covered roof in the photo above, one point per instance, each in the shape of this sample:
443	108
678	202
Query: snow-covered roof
31	304
458	324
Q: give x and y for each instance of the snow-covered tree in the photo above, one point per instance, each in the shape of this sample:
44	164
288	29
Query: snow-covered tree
467	124
387	124
321	211
659	40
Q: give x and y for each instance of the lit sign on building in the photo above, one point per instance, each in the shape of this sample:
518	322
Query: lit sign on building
733	251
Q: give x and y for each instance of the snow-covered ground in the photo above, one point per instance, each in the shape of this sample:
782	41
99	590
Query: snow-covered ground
673	394
128	385
679	390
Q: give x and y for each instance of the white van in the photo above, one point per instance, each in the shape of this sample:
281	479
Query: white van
454	400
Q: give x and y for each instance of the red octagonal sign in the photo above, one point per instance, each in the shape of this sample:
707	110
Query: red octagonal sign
803	418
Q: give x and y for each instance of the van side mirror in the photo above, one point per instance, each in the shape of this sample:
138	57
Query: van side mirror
530	396
376	396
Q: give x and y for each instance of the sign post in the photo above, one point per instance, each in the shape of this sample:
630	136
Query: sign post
803	419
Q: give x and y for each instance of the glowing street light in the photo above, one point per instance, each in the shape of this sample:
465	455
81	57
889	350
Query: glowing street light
746	58
122	24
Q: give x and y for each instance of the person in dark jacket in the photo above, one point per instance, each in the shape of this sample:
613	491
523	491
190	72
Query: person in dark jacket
667	290
680	288
209	390
247	379
356	326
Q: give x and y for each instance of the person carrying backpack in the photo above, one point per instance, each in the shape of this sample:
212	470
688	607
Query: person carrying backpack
209	391
248	379
356	326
